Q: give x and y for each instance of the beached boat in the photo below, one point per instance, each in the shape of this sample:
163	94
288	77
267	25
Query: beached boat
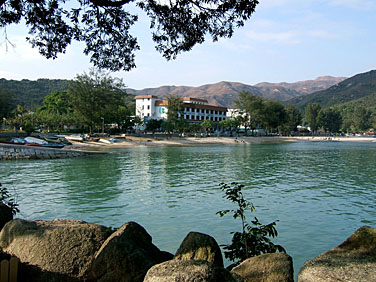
93	139
104	141
33	140
54	145
12	142
74	138
18	140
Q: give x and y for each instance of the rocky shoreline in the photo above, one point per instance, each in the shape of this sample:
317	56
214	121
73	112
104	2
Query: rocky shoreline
72	250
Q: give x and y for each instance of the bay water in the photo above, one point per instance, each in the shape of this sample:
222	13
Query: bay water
320	192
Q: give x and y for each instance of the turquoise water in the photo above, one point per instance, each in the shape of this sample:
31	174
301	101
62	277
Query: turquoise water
320	193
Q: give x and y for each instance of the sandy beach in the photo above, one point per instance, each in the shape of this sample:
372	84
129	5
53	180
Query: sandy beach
134	141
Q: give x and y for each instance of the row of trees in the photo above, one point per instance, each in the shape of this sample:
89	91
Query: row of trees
92	100
256	112
335	120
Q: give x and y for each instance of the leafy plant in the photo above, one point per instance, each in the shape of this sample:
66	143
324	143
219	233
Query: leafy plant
254	239
8	200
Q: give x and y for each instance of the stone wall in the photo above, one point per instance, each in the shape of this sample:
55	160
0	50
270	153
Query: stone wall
22	152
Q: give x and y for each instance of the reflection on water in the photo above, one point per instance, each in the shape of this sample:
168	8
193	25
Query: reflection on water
320	192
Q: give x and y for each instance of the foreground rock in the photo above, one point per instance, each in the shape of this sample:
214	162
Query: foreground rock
275	267
59	249
353	260
188	271
126	256
5	215
198	246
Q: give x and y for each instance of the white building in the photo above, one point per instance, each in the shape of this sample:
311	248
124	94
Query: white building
194	110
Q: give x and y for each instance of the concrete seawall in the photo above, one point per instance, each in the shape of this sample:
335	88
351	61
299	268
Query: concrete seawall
22	152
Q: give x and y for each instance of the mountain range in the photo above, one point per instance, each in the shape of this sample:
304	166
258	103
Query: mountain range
325	90
359	89
224	93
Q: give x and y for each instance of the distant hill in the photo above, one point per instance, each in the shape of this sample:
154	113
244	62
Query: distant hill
221	93
359	88
224	93
305	86
30	93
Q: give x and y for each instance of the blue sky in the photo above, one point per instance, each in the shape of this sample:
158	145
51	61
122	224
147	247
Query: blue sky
285	40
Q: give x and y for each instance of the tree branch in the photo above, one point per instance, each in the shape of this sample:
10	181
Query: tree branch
108	3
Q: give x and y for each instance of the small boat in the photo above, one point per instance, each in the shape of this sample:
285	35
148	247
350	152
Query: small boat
33	140
18	140
11	142
54	145
74	138
50	138
34	145
104	141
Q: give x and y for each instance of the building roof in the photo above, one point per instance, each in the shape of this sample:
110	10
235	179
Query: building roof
145	97
194	99
161	103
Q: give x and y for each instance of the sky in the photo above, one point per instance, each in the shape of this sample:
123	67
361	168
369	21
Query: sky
284	41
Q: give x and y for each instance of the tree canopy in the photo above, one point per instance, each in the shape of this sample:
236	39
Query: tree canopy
104	25
96	97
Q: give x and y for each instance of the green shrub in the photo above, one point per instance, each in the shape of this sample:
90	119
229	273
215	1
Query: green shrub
8	200
254	239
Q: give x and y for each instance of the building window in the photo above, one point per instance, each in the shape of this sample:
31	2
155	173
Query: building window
142	107
148	107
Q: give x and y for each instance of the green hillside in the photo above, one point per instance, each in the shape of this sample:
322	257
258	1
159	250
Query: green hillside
360	88
30	93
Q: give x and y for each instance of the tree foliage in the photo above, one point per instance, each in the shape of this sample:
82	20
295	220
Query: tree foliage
293	118
154	124
95	97
104	25
30	93
9	200
362	118
253	240
174	108
56	111
312	116
251	110
274	115
5	107
330	120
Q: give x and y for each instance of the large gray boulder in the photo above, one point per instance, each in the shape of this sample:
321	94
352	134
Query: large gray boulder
353	260
5	215
126	256
188	271
199	246
59	248
274	267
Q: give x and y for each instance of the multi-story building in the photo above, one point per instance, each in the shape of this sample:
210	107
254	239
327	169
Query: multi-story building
194	110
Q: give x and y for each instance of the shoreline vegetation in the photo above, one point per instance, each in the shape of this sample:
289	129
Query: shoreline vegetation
142	141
